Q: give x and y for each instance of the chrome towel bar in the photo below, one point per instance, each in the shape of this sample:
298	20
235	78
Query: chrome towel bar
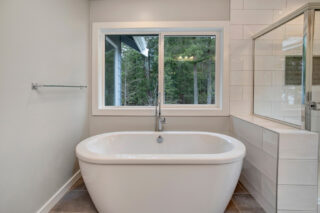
36	86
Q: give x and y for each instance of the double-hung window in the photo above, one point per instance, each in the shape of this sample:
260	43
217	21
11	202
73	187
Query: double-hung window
183	66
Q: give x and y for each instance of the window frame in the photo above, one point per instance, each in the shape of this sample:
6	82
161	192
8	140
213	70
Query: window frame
219	29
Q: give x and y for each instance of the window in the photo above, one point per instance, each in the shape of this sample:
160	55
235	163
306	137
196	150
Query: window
189	68
131	70
293	70
132	66
294	67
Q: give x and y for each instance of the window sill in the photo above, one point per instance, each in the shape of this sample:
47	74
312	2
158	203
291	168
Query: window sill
150	111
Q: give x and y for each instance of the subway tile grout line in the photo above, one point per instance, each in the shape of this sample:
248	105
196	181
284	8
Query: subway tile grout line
294	184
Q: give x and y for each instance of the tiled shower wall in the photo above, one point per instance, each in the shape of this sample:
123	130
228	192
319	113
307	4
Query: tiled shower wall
247	18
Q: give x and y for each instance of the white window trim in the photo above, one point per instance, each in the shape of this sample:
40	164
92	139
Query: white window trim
218	28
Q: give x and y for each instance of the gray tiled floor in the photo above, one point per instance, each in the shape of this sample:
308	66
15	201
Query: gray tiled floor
77	200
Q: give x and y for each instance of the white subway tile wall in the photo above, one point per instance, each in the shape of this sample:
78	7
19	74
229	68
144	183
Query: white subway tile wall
236	4
270	143
297	197
262	4
298	146
298	172
247	18
259	174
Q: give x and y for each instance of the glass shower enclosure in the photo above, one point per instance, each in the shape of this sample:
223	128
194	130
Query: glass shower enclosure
287	69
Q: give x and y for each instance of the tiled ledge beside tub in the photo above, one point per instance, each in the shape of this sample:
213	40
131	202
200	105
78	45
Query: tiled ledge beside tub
280	168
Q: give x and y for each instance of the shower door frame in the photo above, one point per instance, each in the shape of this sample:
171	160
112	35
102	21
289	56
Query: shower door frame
308	10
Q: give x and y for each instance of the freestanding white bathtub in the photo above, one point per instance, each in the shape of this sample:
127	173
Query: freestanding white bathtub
188	172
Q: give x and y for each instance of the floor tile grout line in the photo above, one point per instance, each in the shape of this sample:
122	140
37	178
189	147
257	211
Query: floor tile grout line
244	189
234	203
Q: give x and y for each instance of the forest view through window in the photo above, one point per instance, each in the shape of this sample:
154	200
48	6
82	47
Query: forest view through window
189	69
131	69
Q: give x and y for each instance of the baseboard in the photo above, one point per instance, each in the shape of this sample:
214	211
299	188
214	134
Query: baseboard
59	194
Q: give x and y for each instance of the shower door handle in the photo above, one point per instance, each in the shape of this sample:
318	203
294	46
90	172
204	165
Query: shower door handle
314	105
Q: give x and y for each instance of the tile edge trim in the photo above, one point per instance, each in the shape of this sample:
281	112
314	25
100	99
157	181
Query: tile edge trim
47	206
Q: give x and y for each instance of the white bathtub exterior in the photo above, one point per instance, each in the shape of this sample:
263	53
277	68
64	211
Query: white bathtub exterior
189	172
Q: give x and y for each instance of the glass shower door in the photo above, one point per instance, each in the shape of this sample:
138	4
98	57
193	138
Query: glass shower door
313	107
277	78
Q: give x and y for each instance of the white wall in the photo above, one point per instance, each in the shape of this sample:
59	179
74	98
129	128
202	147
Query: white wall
42	41
166	10
100	124
154	10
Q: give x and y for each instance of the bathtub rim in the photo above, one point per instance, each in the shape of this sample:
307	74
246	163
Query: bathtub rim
237	153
